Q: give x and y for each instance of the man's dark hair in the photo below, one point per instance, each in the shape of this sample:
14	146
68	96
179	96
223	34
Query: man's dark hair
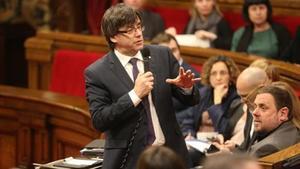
164	38
160	157
248	3
281	97
116	17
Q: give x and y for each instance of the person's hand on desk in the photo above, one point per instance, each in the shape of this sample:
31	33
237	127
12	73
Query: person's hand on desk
143	84
226	146
205	35
185	79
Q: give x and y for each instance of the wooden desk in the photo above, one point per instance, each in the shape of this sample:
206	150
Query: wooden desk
276	160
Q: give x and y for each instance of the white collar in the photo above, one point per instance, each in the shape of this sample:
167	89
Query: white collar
124	59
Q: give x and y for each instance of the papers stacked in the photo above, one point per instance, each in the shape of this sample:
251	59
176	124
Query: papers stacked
79	163
94	149
199	145
75	163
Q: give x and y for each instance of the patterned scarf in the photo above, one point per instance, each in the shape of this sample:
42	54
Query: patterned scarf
209	25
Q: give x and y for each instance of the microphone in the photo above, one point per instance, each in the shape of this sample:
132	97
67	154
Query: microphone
146	56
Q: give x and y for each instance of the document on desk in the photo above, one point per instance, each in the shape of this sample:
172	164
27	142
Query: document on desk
200	145
78	163
191	40
74	161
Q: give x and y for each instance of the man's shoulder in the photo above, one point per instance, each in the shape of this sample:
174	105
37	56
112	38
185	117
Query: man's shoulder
101	62
279	135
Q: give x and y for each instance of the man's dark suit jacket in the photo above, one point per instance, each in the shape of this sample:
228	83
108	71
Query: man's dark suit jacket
287	134
112	111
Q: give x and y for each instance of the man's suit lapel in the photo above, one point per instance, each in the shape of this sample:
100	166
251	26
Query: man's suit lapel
118	69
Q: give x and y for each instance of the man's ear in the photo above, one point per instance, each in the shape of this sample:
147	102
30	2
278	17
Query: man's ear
113	39
284	114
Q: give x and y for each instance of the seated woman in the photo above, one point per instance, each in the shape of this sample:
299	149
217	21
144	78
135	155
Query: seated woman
217	98
207	22
261	36
219	107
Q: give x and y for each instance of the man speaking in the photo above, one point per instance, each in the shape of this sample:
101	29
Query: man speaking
130	92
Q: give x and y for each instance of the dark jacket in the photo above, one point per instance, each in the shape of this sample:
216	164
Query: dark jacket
287	134
221	114
292	53
153	23
224	34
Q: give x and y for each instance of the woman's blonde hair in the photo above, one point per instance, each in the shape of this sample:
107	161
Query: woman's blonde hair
268	67
195	14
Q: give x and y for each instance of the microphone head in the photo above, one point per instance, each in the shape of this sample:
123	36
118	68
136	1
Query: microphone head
145	52
146	56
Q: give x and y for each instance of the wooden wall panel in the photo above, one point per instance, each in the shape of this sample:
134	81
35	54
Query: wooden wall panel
39	126
8	150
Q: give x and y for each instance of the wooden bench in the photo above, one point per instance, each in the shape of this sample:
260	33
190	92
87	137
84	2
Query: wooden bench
41	49
40	126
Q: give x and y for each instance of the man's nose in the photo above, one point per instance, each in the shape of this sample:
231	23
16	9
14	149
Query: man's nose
138	32
255	112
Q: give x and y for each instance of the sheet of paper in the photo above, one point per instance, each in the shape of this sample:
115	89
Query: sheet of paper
200	145
74	161
191	40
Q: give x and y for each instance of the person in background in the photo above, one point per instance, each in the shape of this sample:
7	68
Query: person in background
153	22
260	36
273	113
249	79
130	93
231	161
159	157
170	41
272	116
217	97
292	53
219	108
266	65
207	22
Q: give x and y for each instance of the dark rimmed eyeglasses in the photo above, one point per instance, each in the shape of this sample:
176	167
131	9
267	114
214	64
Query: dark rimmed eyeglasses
133	30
